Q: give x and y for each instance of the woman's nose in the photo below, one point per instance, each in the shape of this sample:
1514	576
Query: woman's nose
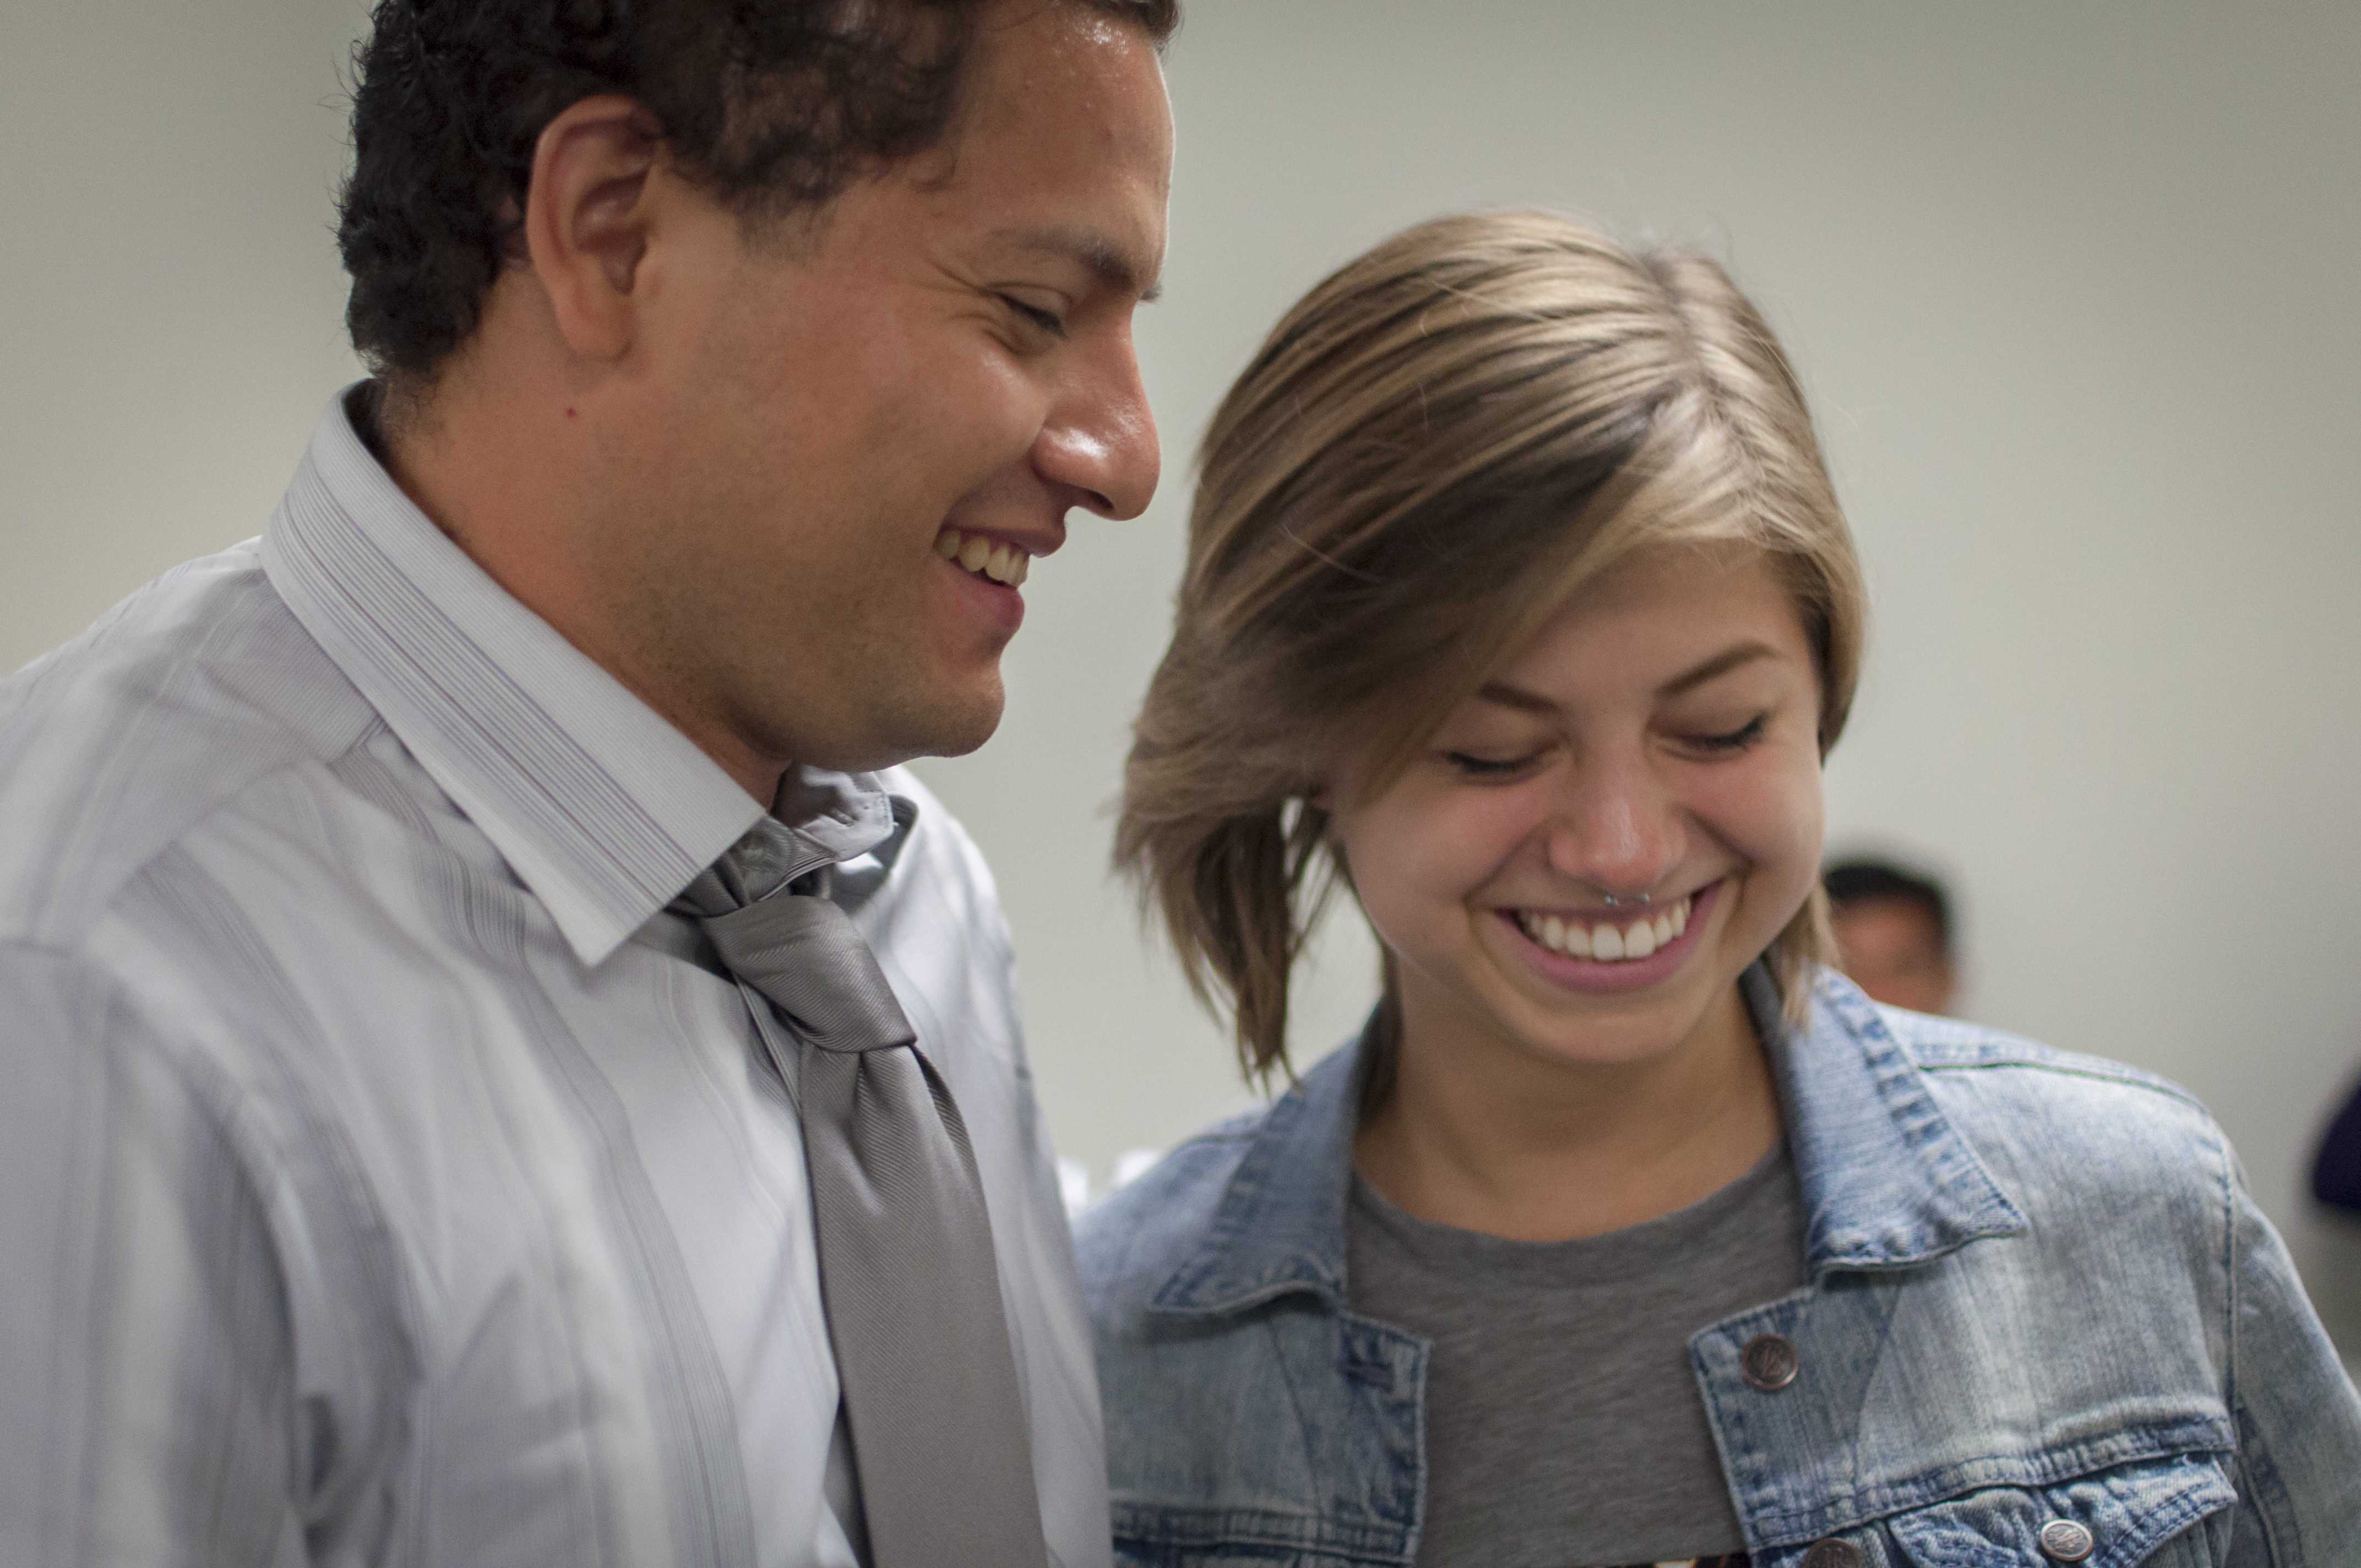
1615	827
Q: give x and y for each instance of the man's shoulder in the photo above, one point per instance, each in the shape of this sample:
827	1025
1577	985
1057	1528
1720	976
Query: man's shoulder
115	745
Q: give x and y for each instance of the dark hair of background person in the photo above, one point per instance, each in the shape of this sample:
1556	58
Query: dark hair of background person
775	106
2336	1164
1860	879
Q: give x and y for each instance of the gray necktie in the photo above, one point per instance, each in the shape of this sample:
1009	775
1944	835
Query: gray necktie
941	1442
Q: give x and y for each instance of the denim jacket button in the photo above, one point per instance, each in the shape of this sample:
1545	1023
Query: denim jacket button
1833	1553
1769	1362
2063	1540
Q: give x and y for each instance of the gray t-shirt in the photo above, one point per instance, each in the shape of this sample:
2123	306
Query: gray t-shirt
1564	1425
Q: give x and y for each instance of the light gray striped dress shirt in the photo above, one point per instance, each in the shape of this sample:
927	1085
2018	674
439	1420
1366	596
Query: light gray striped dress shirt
385	1176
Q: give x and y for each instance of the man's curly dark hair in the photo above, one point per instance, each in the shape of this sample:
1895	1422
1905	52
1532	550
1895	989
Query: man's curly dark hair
775	106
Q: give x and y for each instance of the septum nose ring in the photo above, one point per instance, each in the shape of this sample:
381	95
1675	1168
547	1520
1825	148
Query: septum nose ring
1628	901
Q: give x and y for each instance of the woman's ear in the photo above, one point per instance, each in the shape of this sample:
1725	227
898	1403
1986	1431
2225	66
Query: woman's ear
587	219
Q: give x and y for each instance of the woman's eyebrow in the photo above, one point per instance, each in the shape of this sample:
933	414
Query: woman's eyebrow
1507	694
1722	663
1518	697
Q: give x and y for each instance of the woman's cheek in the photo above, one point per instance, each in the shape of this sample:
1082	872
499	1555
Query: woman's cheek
1777	815
1420	857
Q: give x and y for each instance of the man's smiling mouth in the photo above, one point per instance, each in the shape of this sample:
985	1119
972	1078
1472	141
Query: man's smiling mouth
1003	563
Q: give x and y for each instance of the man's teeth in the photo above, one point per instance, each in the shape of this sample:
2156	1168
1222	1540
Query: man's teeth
1603	941
1001	563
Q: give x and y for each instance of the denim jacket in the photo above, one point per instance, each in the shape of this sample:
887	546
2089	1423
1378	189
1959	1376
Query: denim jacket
2039	1298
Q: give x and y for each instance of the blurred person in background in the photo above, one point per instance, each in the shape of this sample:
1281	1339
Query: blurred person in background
501	1067
1892	929
2336	1164
1519	605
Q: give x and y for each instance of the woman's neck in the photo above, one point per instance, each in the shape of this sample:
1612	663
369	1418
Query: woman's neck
1486	1137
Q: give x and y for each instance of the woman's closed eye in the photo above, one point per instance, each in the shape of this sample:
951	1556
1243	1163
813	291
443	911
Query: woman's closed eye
1476	766
1722	742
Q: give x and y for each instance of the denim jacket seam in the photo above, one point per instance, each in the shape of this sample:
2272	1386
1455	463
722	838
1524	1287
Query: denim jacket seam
2261	1475
2228	1190
1294	1393
1239	1306
2267	1494
1417	1393
2127	1078
2044	1468
1268	1527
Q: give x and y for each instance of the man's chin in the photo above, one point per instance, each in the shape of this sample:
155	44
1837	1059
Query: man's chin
951	726
963	732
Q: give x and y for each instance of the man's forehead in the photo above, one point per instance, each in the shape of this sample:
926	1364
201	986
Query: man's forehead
1067	144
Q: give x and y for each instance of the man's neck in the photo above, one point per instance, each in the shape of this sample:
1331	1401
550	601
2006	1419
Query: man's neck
494	485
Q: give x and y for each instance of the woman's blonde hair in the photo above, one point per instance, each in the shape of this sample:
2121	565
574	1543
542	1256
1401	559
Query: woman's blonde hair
1429	452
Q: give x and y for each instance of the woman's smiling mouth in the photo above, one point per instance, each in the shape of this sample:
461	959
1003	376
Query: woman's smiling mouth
1608	941
1593	951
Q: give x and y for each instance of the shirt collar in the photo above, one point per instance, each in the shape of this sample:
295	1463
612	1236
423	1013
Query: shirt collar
600	806
1888	1182
830	819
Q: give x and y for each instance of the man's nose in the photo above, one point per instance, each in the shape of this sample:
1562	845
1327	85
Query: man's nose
1614	826
1099	444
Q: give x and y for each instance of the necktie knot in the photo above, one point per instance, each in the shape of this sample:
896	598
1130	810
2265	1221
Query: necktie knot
807	956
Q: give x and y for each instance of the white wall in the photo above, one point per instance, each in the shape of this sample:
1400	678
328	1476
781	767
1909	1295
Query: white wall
2070	285
171	311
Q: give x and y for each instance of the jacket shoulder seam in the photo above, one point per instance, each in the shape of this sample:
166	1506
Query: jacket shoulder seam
2030	1058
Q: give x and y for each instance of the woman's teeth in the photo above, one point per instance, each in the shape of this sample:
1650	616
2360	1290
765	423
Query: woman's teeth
1602	941
1003	563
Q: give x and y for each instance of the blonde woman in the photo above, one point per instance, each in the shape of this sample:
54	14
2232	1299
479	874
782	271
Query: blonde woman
1519	605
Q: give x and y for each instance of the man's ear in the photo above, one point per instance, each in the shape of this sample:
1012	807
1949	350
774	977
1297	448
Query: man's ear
587	216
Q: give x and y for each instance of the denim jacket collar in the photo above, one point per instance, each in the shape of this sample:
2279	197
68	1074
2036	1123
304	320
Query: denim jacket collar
1887	1183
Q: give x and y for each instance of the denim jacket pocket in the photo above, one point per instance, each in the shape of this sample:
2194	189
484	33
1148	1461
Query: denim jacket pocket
2139	1515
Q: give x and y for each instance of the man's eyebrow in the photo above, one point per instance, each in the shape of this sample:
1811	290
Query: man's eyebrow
1107	261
